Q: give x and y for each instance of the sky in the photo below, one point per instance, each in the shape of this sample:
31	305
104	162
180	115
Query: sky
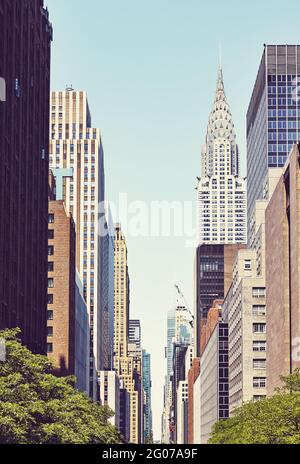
150	70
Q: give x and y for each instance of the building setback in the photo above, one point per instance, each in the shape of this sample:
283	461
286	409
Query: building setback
283	274
273	118
25	39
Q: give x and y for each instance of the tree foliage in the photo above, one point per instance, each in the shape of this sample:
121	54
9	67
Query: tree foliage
274	420
38	408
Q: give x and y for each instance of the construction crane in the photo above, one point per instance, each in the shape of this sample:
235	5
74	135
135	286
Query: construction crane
186	305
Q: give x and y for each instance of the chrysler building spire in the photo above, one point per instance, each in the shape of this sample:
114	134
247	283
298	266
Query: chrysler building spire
220	126
221	192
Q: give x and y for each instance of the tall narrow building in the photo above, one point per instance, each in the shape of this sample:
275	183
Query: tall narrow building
25	40
76	144
222	201
122	297
273	118
128	367
147	385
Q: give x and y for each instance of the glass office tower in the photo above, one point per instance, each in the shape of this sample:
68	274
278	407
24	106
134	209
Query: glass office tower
273	123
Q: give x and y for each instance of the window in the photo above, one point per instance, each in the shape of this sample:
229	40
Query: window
50	315
51	218
247	265
259	382
49	347
259	328
49	331
50	234
259	397
259	346
50	299
259	363
50	250
258	292
259	310
50	266
51	283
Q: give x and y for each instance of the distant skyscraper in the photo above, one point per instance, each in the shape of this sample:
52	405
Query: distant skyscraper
135	333
108	306
25	39
222	199
75	144
147	385
122	298
273	119
179	337
171	327
128	367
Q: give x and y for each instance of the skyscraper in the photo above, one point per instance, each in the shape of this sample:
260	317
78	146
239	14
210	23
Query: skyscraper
75	144
25	40
128	367
147	385
273	118
179	338
108	271
135	332
168	386
122	298
222	197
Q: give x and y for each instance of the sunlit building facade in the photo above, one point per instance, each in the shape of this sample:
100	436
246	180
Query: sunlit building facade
222	199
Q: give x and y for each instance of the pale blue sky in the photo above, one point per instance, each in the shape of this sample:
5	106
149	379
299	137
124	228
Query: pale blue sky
149	68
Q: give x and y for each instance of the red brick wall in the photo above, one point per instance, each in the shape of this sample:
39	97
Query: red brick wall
192	377
63	275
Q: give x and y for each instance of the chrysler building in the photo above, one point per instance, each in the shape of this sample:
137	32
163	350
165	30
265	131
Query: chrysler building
221	192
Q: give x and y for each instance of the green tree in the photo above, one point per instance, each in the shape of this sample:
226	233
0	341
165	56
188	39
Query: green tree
274	420
149	439
38	408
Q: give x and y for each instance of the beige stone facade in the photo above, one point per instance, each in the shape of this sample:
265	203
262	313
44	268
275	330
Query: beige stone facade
245	309
283	274
128	368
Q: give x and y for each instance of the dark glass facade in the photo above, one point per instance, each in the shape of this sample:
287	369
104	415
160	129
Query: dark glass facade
125	414
210	277
25	38
223	372
179	354
147	384
273	118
